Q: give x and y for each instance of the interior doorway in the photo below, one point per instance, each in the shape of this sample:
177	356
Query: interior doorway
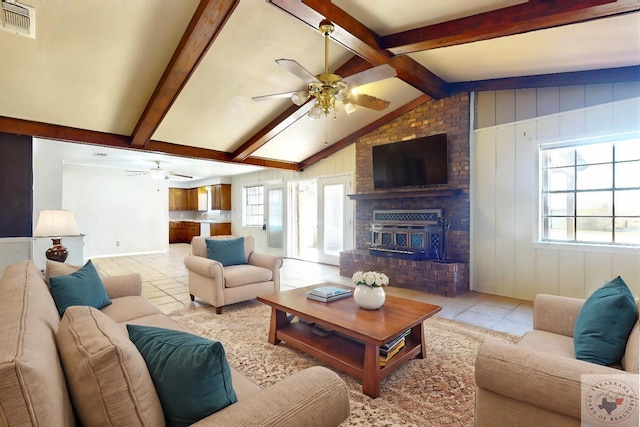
321	219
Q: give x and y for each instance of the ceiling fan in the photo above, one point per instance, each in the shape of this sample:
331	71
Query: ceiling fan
158	173
328	88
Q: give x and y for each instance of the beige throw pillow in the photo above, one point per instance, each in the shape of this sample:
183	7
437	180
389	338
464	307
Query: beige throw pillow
107	377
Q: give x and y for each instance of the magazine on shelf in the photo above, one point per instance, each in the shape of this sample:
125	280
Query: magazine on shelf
328	299
385	358
393	342
328	291
385	351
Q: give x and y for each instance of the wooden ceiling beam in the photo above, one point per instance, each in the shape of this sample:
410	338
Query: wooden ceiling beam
292	114
218	156
609	75
518	19
350	139
82	136
62	133
360	40
204	27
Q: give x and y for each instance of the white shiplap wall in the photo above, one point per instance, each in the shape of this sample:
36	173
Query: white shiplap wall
506	257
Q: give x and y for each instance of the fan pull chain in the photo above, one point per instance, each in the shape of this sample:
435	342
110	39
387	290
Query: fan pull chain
326	129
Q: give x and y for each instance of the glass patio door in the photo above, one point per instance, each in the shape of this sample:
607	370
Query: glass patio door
335	224
275	219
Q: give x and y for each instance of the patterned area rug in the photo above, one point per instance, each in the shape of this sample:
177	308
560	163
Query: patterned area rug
436	391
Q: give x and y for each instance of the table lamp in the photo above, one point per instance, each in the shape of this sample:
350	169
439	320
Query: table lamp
56	224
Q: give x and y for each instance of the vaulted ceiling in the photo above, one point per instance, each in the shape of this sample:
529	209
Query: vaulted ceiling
177	77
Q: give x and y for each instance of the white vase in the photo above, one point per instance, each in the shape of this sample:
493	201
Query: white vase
368	297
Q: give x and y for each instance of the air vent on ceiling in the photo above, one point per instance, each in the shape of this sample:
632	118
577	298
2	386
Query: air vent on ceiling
18	18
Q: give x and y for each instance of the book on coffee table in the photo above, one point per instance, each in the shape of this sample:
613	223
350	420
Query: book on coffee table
329	298
328	291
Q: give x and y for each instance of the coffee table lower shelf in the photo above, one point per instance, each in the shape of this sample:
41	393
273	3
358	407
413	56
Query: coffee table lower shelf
358	359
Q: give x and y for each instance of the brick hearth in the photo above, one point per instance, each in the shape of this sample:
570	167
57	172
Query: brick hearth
446	278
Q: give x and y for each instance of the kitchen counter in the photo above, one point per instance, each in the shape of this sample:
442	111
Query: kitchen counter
182	230
201	221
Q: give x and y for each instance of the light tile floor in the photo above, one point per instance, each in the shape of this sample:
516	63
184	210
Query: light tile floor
165	284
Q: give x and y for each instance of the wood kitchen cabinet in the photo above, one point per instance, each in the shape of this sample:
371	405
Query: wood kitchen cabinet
220	229
178	199
196	199
221	197
183	231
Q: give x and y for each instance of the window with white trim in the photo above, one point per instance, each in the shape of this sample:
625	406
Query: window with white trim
253	206
590	191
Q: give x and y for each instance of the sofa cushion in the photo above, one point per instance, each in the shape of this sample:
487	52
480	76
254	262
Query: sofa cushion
190	373
108	378
604	323
240	275
226	251
33	390
128	308
548	342
82	287
631	360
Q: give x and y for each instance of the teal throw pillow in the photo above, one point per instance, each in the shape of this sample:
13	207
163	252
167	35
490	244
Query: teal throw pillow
226	251
190	373
82	287
604	324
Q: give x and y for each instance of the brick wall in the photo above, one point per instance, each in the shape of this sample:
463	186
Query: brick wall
451	116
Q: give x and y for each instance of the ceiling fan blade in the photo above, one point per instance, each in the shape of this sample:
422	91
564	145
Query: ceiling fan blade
273	96
371	75
294	68
179	175
369	101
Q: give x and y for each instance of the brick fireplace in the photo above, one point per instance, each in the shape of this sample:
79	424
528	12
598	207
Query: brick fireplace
448	276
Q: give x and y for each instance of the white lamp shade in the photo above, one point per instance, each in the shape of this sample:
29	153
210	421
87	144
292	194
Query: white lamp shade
56	223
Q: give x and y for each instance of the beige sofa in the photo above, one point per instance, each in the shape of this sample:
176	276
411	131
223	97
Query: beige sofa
537	382
33	390
220	286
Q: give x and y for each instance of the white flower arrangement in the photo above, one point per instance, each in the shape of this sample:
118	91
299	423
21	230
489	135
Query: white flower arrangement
370	278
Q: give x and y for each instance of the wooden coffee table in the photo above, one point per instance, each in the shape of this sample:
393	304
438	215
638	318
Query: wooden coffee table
354	345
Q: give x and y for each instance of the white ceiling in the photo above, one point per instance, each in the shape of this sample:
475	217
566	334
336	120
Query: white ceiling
94	65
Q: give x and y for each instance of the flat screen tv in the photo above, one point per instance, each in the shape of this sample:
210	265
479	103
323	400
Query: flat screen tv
414	163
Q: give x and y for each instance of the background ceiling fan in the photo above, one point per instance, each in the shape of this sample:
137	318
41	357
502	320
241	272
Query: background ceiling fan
158	173
328	88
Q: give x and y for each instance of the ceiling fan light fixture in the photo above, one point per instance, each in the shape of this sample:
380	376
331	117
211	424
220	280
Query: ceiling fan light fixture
341	92
315	113
349	108
300	97
157	174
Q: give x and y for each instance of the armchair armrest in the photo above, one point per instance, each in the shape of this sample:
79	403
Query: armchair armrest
529	376
270	262
203	266
313	397
123	286
556	314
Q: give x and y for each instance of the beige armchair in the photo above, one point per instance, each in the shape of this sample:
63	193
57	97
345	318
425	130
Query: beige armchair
220	286
537	382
